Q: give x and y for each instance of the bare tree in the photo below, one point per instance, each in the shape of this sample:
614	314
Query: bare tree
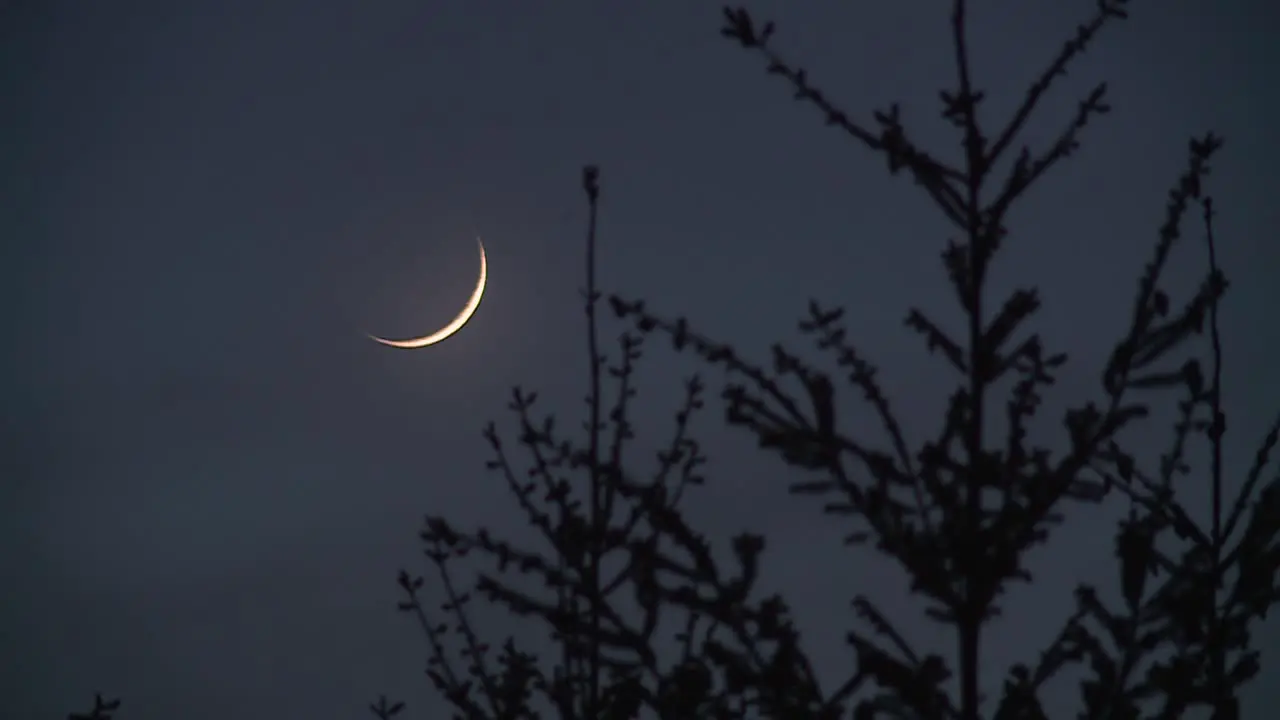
610	531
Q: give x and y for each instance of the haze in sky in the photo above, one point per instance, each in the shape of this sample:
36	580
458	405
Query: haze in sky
211	475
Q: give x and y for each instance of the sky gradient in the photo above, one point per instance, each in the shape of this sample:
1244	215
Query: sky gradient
211	476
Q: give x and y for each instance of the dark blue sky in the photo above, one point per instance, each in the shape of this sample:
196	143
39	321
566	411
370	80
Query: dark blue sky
211	476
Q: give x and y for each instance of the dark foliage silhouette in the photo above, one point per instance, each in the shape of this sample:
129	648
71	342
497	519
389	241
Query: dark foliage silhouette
1179	640
621	570
1190	593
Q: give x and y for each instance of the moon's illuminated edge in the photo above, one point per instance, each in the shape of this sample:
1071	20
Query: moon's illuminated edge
454	325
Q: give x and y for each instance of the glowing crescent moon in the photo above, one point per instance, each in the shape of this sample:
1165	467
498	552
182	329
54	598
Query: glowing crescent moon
454	325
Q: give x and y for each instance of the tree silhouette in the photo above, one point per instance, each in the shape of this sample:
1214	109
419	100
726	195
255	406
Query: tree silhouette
929	509
622	570
958	513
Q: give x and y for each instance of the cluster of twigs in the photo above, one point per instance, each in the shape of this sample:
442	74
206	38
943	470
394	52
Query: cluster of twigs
613	536
620	562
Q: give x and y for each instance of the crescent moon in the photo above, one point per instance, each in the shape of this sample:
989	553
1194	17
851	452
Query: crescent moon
454	325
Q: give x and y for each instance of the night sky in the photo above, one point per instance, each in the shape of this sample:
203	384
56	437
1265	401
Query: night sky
211	475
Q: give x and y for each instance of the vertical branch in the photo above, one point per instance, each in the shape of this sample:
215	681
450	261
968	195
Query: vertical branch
1218	660
1215	398
590	183
967	102
970	620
